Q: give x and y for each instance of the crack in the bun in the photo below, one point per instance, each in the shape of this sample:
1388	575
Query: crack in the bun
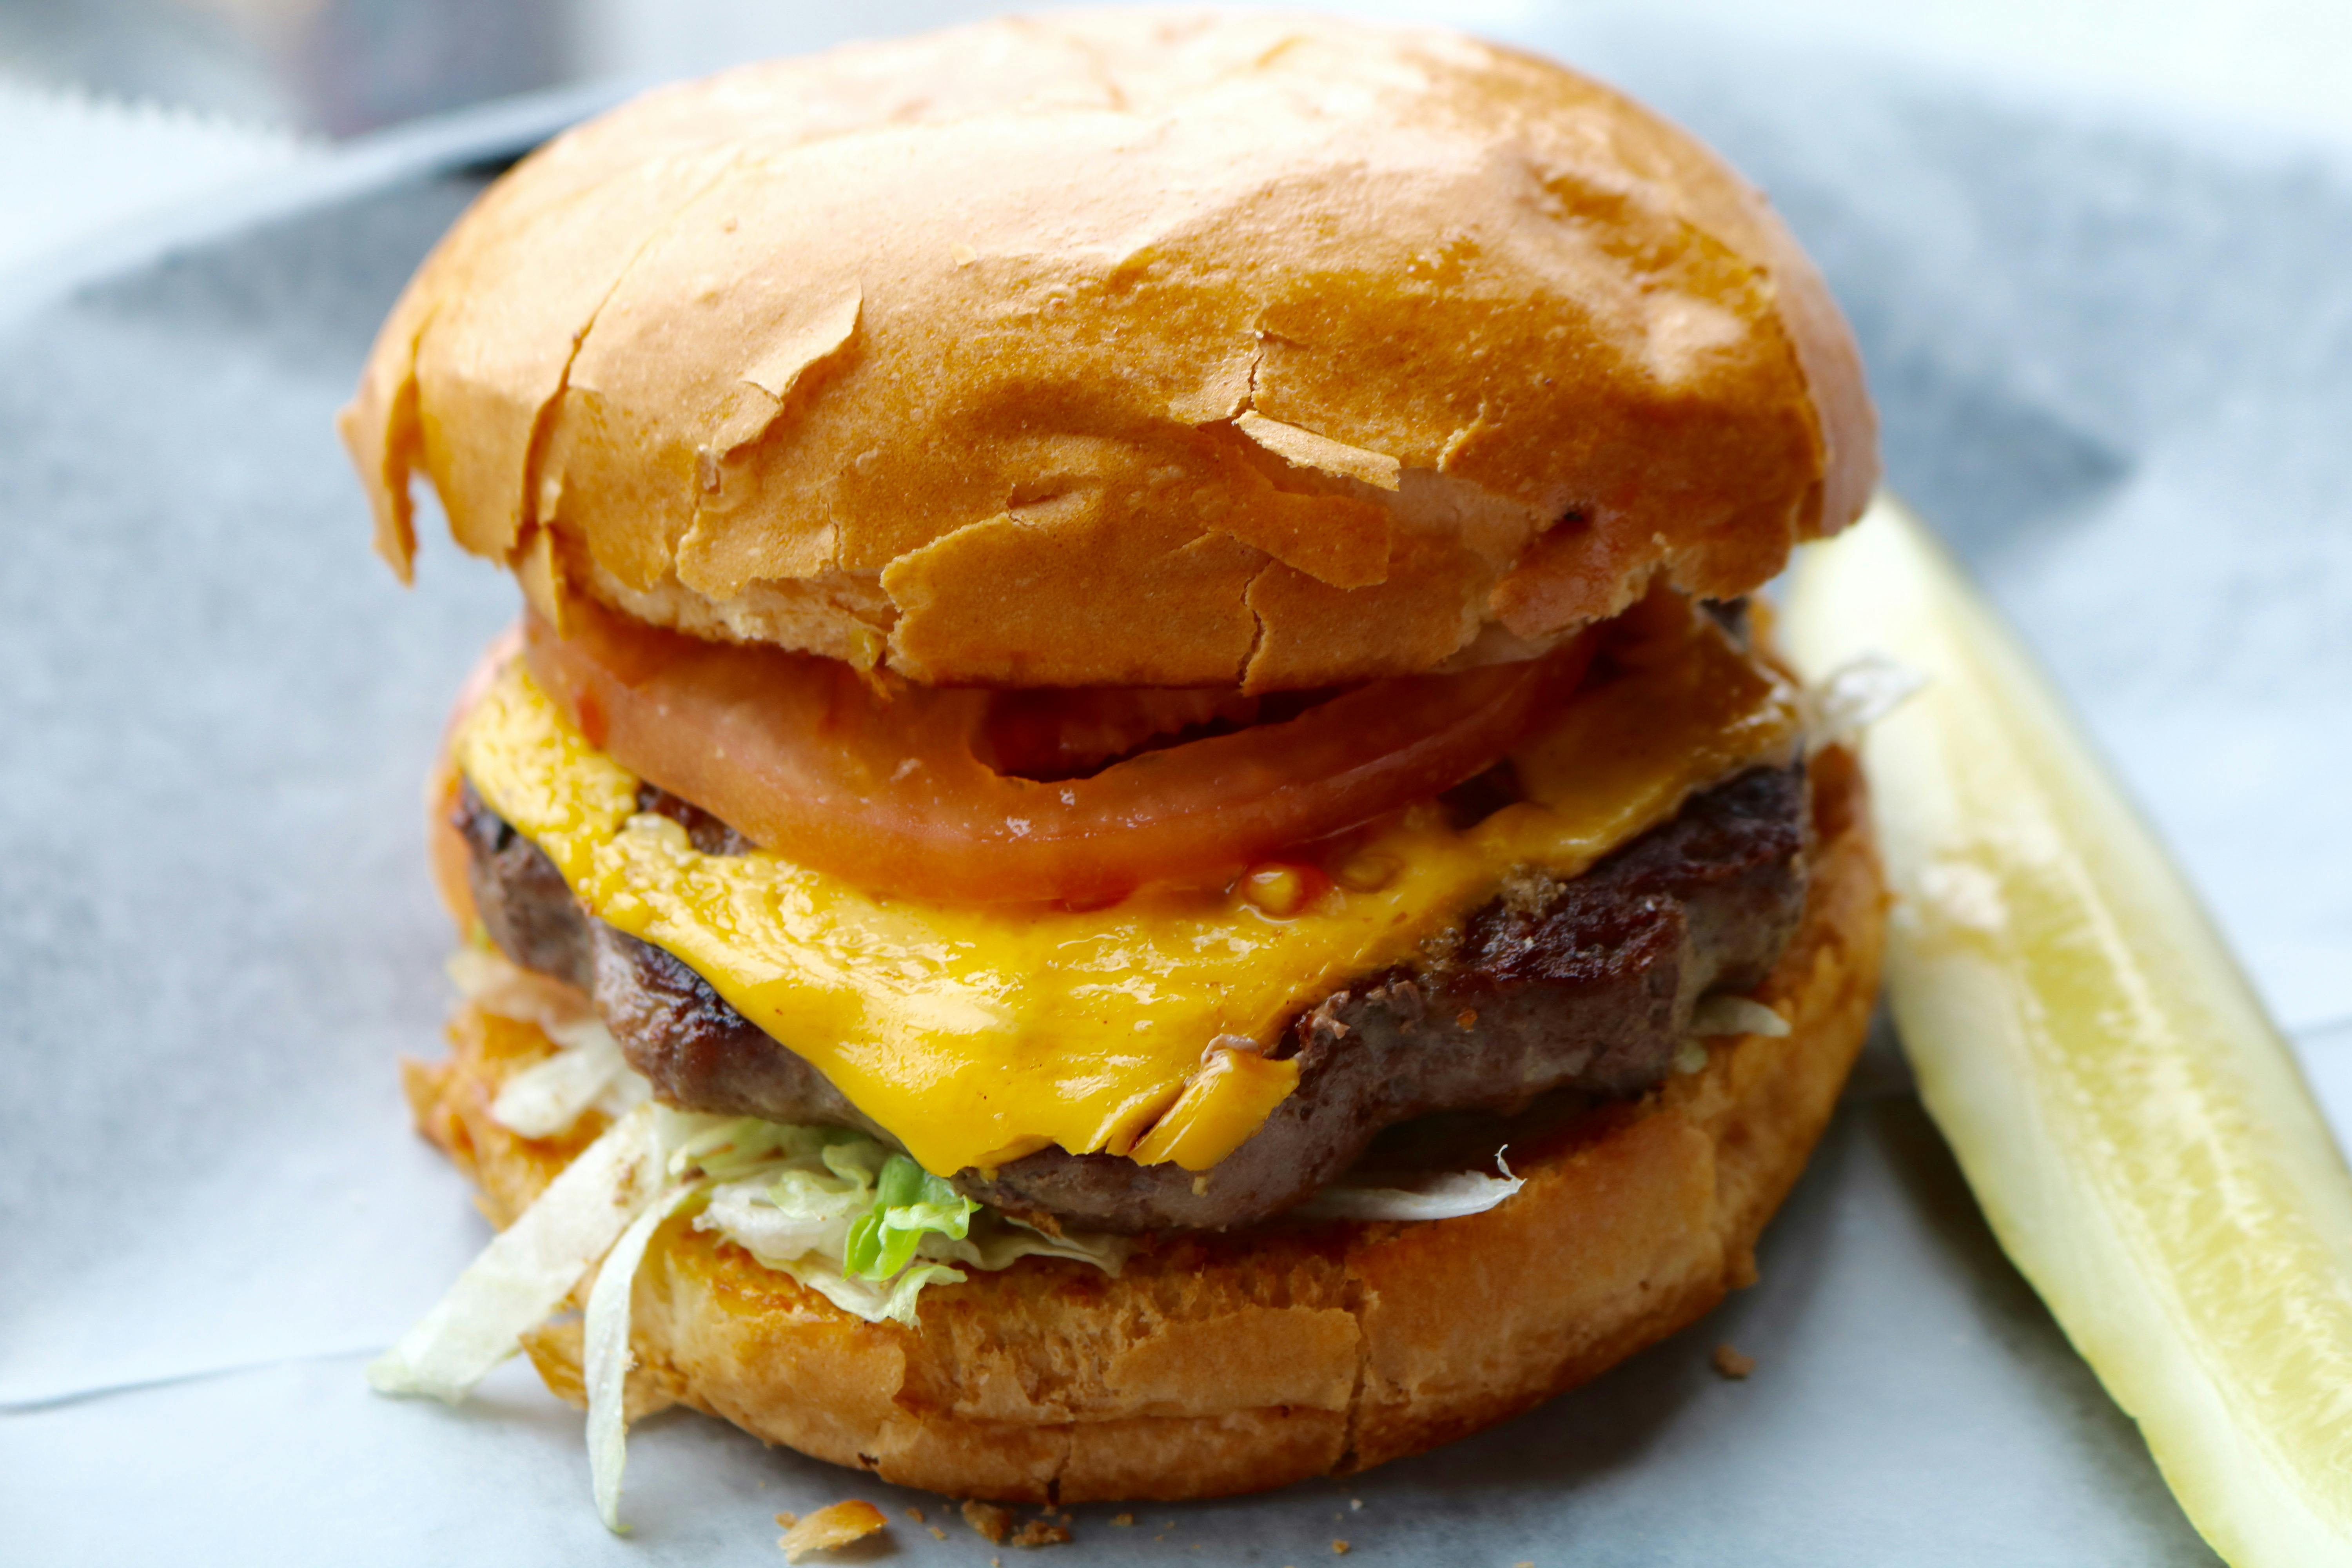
542	419
1257	622
1248	404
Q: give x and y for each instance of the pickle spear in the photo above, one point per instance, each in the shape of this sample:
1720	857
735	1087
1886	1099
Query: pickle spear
2132	1123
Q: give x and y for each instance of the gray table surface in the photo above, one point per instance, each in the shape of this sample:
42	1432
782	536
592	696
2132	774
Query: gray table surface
2115	366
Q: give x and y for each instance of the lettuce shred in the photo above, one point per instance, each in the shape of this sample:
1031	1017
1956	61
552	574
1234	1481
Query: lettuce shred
1716	1015
528	1269
587	1071
840	1211
605	1357
1450	1196
868	1229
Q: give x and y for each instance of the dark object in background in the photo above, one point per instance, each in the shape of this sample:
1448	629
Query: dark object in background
332	66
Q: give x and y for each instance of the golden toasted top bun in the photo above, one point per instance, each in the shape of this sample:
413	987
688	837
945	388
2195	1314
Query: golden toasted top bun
1125	348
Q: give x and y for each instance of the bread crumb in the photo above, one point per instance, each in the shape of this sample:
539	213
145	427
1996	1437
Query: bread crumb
1037	1532
1122	1519
916	1515
987	1518
1731	1363
1339	1548
837	1524
1355	1505
786	1520
937	1533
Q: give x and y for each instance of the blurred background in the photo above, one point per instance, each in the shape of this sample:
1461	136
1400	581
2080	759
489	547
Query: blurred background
110	109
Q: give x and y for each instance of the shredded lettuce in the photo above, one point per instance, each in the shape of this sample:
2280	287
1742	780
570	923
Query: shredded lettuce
870	1229
1716	1016
527	1270
863	1226
1736	1016
496	983
910	1204
1449	1196
605	1358
588	1072
893	1301
725	1147
998	1241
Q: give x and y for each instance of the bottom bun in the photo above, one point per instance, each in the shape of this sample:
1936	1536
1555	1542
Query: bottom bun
1215	1364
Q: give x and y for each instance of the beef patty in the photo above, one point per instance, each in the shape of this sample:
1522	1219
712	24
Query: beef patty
1586	984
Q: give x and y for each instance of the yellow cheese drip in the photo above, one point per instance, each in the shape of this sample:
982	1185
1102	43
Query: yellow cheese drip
979	1035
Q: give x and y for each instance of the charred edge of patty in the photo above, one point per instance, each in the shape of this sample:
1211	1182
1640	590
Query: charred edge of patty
1588	988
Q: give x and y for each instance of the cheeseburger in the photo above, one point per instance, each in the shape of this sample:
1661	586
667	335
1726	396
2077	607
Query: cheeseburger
1138	841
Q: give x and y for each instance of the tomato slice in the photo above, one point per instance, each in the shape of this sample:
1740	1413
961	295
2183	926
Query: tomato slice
889	788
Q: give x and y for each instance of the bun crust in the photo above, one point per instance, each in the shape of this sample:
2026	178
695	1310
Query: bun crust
1221	1364
1126	348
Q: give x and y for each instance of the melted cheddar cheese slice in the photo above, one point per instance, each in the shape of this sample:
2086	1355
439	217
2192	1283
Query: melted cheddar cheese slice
978	1035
